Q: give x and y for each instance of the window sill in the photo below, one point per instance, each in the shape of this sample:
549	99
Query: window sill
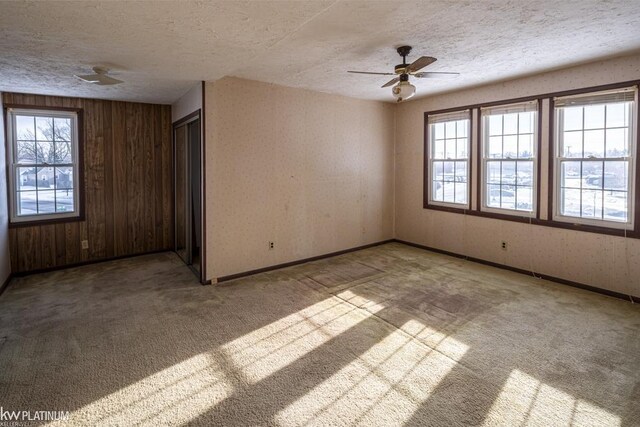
44	221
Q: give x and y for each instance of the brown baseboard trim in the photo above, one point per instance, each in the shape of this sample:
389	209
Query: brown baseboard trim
297	262
5	285
83	263
607	292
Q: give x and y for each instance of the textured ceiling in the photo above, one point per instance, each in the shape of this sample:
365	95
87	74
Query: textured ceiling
160	49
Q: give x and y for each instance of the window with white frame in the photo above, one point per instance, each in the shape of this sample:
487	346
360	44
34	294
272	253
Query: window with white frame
43	164
595	158
509	158
448	157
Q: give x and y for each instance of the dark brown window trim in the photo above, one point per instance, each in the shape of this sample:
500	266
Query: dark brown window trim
425	177
81	201
537	220
552	185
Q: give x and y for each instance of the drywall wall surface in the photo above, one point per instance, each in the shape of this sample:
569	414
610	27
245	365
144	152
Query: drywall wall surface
188	103
311	172
603	261
5	260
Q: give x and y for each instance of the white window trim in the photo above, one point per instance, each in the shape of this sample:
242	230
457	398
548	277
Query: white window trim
604	223
464	114
482	152
12	166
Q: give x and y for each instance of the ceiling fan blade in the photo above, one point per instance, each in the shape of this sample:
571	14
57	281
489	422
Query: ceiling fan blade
106	80
435	75
370	72
89	78
420	63
391	82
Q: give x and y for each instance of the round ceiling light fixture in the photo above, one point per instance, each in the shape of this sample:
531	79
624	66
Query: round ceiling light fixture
403	90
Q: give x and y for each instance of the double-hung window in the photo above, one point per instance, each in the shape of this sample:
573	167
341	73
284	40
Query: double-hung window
43	164
448	159
595	158
509	158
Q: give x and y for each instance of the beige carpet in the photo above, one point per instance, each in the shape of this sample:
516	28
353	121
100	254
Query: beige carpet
390	335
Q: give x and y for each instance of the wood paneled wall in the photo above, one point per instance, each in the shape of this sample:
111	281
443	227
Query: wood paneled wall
127	187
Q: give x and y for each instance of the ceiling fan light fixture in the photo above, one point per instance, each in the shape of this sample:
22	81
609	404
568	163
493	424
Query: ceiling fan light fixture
403	91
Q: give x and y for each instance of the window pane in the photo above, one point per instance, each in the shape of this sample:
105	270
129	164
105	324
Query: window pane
439	130
438	171
62	129
26	178
524	197
508	172
570	202
615	206
493	196
510	148
461	171
64	200
495	147
45	178
63	152
594	117
450	148
617	115
462	126
461	148
450	129
27	203
449	171
44	152
63	177
44	129
495	125
570	176
493	172
592	204
617	142
438	149
25	128
46	201
508	197
594	143
525	146
526	122
26	152
510	124
525	173
615	176
572	144
592	173
448	192
572	118
461	192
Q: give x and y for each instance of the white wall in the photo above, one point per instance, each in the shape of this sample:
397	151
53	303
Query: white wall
187	104
598	260
5	262
310	171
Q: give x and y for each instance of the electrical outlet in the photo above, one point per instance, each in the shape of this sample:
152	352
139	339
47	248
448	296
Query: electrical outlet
503	245
85	244
271	245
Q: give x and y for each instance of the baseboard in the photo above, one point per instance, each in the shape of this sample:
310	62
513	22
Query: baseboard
83	263
607	292
5	285
297	262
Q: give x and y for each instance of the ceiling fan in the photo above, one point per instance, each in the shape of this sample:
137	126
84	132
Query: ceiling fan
405	90
99	78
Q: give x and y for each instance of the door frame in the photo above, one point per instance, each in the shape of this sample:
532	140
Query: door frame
196	115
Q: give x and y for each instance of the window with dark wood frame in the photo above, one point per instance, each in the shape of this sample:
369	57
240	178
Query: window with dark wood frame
44	164
551	220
